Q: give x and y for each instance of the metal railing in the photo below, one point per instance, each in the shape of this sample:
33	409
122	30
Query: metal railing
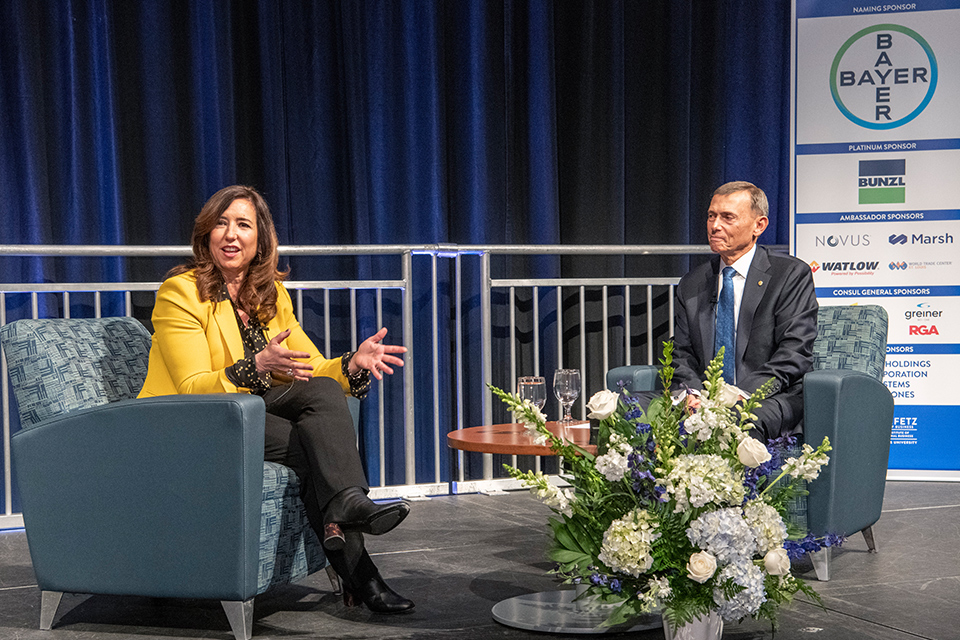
484	306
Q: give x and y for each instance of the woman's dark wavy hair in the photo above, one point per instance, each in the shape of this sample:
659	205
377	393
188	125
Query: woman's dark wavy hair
258	293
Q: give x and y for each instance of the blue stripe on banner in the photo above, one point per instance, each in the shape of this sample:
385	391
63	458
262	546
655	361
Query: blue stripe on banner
922	349
883	167
876	216
820	9
877	147
887	292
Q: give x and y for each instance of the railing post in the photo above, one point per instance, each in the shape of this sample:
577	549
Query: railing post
486	332
409	426
435	372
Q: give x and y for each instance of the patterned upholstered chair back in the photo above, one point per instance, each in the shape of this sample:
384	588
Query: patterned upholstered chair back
57	366
852	338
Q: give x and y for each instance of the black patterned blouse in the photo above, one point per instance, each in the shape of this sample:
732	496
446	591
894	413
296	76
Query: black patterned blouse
243	373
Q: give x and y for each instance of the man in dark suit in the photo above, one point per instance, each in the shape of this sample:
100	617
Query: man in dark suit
774	312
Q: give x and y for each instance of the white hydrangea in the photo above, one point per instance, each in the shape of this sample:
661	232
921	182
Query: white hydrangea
702	424
713	420
746	602
807	466
613	463
725	534
767	525
627	543
697	480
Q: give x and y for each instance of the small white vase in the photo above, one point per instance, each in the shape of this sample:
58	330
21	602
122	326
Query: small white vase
709	627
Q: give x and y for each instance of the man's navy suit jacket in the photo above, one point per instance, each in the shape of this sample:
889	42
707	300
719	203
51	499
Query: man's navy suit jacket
776	327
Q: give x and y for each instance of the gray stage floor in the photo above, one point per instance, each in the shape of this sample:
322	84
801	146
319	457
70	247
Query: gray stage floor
457	556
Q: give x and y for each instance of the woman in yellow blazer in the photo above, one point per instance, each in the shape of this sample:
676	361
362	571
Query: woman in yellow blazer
196	340
224	324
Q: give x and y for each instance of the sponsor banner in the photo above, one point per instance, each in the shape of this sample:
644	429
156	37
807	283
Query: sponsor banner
922	435
876	149
871	216
917	177
881	253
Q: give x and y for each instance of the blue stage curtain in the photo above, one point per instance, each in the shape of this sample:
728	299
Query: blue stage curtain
389	121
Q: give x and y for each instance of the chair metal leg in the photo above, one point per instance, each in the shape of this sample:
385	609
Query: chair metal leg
334	580
821	563
240	615
49	601
868	536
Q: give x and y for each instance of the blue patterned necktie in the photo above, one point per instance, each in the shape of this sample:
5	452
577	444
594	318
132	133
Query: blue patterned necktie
726	329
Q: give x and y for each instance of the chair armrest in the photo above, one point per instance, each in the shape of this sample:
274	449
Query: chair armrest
637	377
155	496
855	411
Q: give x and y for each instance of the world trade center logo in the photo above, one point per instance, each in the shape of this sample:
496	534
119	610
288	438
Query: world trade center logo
883	76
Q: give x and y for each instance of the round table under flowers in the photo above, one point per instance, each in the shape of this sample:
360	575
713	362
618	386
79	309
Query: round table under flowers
677	511
548	611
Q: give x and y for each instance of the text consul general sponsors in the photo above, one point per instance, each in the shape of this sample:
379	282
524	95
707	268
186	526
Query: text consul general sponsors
855	293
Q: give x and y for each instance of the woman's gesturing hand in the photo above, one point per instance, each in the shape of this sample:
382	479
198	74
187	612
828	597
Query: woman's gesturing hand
276	358
374	356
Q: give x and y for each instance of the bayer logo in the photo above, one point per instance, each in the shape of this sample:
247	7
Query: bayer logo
883	76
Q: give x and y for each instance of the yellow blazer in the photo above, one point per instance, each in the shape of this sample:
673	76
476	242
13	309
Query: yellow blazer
194	341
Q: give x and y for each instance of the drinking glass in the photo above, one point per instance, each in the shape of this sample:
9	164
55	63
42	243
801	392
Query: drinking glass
566	386
534	389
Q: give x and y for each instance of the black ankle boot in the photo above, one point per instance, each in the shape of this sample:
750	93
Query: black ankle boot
352	510
378	597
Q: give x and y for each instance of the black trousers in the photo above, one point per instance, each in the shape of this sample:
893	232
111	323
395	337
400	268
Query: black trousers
309	429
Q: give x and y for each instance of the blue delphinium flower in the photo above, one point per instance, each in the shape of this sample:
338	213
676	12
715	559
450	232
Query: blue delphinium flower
633	414
615	586
833	540
769	469
598	579
809	544
639	471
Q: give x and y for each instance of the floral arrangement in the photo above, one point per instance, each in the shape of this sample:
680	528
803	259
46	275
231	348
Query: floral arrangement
680	510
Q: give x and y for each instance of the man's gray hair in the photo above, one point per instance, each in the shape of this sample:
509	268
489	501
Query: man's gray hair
758	199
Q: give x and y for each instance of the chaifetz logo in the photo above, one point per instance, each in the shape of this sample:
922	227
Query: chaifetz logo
882	181
883	76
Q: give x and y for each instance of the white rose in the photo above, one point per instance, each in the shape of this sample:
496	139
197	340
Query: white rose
752	452
777	562
730	395
701	566
603	404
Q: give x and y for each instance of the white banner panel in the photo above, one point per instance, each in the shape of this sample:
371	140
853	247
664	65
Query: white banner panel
875	208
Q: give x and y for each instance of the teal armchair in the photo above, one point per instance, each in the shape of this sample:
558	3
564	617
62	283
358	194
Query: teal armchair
846	400
159	497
